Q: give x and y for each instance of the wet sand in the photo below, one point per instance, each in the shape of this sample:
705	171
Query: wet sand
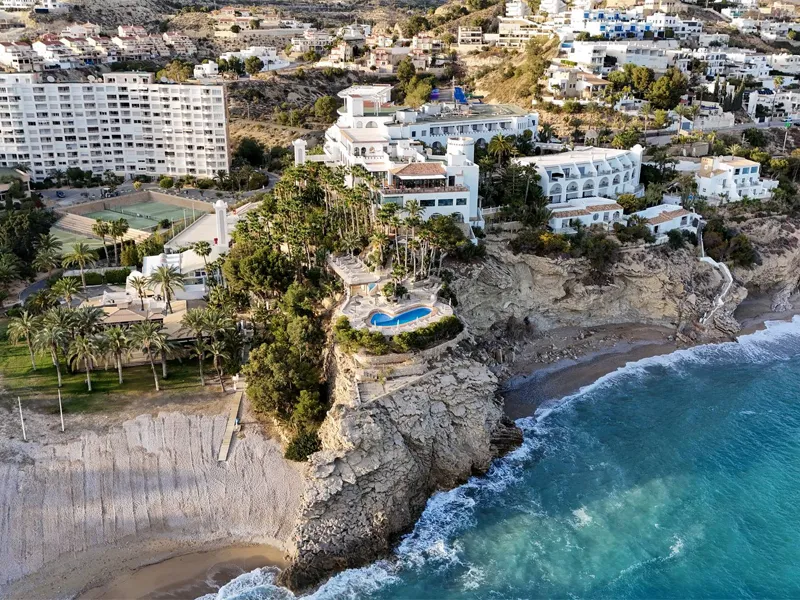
523	394
188	576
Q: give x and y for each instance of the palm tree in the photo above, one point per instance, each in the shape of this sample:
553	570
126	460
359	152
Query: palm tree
117	345
58	175
194	321
501	148
414	220
66	288
9	268
118	229
778	81
647	113
80	256
45	260
736	150
47	241
50	338
148	337
101	229
140	283
218	352
88	319
545	132
84	349
24	327
200	350
167	279
203	249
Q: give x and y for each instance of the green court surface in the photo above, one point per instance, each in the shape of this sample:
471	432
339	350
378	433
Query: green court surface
69	238
134	222
144	215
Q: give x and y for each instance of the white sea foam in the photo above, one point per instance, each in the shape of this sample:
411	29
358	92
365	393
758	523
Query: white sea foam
448	513
582	517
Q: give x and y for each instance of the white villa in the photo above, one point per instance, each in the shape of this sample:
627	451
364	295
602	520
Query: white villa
389	140
731	178
588	211
267	54
588	173
666	217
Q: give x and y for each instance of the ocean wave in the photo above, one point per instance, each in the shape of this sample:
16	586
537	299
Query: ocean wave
763	346
431	543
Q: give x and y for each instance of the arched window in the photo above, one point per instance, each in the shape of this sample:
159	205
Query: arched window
616	215
616	179
458	217
604	182
355	151
371	125
363	151
572	187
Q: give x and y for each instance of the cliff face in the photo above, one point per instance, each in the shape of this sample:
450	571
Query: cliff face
383	458
647	287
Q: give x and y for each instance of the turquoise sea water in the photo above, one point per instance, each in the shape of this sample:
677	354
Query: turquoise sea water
676	477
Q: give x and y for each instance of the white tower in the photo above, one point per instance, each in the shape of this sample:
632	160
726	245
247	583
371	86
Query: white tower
221	210
299	151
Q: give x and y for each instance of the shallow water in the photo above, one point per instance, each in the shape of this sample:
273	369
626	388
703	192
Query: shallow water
675	477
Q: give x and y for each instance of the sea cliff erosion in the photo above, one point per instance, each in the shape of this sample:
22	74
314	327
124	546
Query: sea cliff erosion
383	457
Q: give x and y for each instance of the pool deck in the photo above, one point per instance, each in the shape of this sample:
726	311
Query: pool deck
359	309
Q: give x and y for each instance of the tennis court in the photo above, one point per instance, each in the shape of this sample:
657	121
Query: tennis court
145	215
70	238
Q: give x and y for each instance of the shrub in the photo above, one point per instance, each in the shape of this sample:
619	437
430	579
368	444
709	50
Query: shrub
676	239
165	223
352	340
94	278
635	229
117	276
540	243
303	445
425	337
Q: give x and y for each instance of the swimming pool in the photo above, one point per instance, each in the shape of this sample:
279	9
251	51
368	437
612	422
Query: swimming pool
381	319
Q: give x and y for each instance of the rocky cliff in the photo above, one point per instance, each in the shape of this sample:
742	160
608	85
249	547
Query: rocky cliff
647	286
383	458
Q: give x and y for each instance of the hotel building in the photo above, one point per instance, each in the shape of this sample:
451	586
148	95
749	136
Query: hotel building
127	124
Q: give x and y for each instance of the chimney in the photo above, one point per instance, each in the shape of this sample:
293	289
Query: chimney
221	210
299	152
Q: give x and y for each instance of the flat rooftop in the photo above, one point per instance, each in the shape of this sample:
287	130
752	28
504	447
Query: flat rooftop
475	112
575	156
365	91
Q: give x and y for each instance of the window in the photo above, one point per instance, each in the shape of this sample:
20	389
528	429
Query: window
445	202
427	202
461	201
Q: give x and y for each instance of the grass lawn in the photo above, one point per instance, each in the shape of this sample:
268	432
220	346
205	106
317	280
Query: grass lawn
39	388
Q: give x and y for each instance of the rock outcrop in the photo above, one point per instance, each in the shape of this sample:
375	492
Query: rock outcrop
646	286
382	459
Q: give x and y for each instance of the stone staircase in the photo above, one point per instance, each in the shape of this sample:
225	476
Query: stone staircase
377	381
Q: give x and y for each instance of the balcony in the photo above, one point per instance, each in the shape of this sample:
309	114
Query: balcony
422	189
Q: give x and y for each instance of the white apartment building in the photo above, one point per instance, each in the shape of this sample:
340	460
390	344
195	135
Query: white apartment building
81	30
785	103
574	83
19	57
588	211
787	63
649	54
127	124
387	140
311	40
207	70
181	45
681	28
552	7
470	36
723	179
517	8
426	42
267	54
773	31
54	54
513	32
587	173
742	62
745	25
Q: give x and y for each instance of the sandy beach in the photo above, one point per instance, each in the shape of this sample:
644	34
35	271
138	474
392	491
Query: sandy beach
599	351
188	575
84	508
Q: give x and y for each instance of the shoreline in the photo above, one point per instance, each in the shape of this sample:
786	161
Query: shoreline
188	575
530	384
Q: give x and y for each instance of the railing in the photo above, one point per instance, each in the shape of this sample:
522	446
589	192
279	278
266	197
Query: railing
423	190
